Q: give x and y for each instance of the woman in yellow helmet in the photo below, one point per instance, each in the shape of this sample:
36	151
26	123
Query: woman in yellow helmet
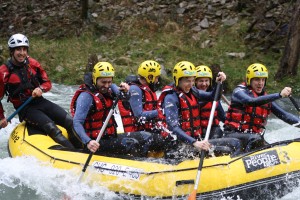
251	106
203	82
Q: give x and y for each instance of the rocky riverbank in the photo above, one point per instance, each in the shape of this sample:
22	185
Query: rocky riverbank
265	21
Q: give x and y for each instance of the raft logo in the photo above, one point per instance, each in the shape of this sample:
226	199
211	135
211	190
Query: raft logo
261	161
14	136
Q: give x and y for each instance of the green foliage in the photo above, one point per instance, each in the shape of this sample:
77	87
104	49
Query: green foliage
65	59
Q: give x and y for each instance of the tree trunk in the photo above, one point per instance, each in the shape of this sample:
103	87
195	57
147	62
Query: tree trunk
84	9
289	61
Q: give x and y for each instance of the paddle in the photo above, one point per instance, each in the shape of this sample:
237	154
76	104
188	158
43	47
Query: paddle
19	109
194	192
225	100
100	135
295	103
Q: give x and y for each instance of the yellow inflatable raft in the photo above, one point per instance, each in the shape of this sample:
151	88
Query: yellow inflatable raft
268	172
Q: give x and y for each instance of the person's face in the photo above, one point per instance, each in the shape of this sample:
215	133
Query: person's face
103	84
186	83
156	79
258	84
19	54
202	83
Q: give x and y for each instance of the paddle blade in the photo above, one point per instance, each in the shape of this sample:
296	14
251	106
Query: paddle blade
193	195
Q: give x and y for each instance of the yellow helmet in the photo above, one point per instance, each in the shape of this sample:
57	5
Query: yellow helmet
256	70
183	69
149	67
102	69
203	72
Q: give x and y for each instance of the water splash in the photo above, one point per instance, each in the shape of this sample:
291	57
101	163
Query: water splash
41	181
29	179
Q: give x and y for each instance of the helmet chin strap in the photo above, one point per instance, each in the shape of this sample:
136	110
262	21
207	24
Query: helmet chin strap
154	86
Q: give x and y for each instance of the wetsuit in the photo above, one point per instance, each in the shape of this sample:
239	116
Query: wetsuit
18	82
219	115
83	106
172	110
248	113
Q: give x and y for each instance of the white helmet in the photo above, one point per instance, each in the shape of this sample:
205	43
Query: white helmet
18	40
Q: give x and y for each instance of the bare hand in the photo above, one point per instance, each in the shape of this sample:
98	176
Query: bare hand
93	146
287	91
124	87
37	92
3	123
202	145
221	77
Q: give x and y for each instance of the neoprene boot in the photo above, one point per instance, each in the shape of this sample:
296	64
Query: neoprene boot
73	137
131	146
254	141
55	133
145	140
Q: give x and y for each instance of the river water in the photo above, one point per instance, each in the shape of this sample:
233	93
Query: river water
28	179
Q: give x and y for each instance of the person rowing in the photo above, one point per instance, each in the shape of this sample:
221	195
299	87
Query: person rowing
251	106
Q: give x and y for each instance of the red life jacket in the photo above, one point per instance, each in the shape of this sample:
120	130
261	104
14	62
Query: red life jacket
130	122
20	81
189	111
97	114
205	114
248	118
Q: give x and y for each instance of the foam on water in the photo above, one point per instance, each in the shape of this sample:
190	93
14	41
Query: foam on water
28	178
44	182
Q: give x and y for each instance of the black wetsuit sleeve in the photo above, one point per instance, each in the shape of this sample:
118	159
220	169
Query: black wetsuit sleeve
206	96
203	96
221	112
182	136
241	96
283	115
136	104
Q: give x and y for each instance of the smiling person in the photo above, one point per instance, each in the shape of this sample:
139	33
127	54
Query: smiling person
180	102
203	82
90	106
141	113
23	77
250	107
